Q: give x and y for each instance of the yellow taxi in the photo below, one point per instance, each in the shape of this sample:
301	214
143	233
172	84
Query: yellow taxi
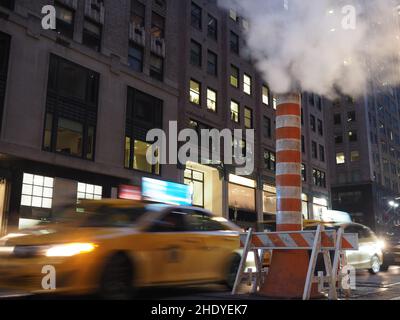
117	246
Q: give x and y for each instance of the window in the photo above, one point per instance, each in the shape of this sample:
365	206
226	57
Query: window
212	63
211	100
195	88
247	84
65	21
319	103
156	67
157	26
196	19
274	103
303	172
234	76
340	158
91	35
248	118
4	57
234	42
195	53
355	156
267	132
322	153
71	115
320	128
9	4
303	144
212	28
319	178
311	99
195	179
338	139
37	191
269	160
144	112
135	57
337	119
138	13
265	95
351	116
235	115
89	192
314	150
313	123
233	15
353	136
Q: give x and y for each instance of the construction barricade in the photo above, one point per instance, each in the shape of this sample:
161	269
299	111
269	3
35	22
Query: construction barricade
320	241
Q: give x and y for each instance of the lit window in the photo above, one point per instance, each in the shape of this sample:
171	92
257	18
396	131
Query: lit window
37	191
233	15
234	111
89	192
265	95
340	158
211	100
194	92
234	76
247	84
274	102
355	156
248	118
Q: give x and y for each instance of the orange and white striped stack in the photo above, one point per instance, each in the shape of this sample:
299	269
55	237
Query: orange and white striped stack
288	162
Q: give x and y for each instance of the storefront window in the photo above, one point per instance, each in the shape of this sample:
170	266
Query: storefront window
304	206
195	179
37	191
320	205
89	192
269	199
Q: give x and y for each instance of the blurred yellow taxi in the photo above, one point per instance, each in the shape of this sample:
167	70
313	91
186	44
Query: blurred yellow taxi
118	246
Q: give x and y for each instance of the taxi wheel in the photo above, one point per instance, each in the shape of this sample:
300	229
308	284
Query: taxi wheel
375	265
116	281
232	271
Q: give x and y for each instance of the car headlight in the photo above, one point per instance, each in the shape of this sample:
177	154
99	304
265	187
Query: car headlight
69	249
381	244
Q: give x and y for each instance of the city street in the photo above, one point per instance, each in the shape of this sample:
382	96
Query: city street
384	286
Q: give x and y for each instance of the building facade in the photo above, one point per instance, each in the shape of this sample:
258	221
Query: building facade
76	105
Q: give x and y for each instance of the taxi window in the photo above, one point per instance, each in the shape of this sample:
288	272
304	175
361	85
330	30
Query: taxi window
173	221
112	217
201	221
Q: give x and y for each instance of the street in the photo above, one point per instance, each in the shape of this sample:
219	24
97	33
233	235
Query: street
384	286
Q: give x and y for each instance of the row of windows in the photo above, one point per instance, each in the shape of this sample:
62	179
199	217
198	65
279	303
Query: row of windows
341	157
352	136
316	124
351	117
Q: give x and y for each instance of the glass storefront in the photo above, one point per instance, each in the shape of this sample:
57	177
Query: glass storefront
320	205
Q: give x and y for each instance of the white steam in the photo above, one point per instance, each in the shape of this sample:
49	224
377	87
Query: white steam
320	45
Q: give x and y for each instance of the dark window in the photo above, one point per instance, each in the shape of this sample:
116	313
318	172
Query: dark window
319	103
172	222
269	160
311	99
212	28
353	136
65	21
320	128
196	16
314	150
157	26
195	53
337	118
303	145
4	57
212	63
92	35
234	42
156	67
9	4
71	110
199	221
338	139
138	13
160	3
322	153
267	127
351	116
144	112
135	57
313	123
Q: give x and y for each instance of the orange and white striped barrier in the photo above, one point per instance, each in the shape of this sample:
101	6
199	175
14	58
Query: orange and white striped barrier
318	241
